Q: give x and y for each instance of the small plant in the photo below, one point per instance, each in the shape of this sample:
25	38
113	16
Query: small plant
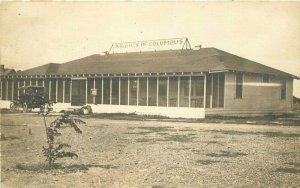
56	150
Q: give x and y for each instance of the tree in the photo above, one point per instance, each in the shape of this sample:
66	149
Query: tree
56	150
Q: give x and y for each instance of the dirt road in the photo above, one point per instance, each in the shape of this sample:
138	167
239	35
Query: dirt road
119	153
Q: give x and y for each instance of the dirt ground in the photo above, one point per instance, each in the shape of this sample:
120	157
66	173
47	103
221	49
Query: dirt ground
125	153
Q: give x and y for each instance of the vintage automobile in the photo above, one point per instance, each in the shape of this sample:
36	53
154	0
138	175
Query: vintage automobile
31	97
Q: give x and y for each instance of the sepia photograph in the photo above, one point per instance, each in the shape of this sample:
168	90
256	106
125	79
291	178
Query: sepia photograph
149	94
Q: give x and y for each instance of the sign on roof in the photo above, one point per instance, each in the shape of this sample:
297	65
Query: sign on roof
150	45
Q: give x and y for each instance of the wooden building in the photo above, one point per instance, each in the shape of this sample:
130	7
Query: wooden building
175	83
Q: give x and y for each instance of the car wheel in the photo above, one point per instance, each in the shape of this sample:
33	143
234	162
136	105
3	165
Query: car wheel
25	108
12	106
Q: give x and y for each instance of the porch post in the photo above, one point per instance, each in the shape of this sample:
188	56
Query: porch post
157	88
211	90
49	89
204	100
128	82
56	89
147	91
137	91
110	93
43	83
18	88
119	91
64	90
102	91
178	92
86	91
94	97
36	83
1	89
71	91
190	89
29	82
6	89
218	89
168	87
12	89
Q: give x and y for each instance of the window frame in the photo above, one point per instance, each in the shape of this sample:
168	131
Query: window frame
283	89
241	85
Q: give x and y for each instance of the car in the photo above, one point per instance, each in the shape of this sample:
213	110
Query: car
31	97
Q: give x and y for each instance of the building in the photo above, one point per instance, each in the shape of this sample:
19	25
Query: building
175	83
3	73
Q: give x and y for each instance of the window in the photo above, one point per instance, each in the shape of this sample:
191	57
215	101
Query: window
283	90
265	79
239	86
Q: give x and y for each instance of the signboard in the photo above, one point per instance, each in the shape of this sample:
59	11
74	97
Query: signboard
94	92
150	45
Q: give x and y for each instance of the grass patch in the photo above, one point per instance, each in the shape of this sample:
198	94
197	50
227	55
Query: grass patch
139	133
207	162
294	164
270	119
9	111
123	116
42	167
163	134
38	167
179	138
157	129
150	140
266	134
226	154
212	142
288	170
4	137
149	130
170	138
157	186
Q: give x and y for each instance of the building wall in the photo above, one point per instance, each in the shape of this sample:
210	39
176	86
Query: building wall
258	98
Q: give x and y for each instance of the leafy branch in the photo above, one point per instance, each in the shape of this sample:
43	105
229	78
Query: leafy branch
55	150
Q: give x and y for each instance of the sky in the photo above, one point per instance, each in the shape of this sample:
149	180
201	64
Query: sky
37	33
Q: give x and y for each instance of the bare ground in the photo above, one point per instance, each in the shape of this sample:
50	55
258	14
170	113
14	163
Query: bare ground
125	153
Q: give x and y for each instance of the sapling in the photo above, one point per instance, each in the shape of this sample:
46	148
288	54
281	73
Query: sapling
56	150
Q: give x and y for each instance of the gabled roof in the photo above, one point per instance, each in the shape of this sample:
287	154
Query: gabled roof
50	68
203	60
7	72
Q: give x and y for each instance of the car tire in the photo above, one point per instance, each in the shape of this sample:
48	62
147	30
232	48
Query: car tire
12	106
25	107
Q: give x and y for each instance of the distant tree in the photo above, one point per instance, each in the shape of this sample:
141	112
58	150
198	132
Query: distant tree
296	100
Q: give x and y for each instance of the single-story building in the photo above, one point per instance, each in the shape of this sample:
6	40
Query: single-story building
175	83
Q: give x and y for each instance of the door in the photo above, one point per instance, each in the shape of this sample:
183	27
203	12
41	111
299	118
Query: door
78	92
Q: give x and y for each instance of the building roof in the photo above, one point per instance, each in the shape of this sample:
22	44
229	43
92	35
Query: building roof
203	60
7	72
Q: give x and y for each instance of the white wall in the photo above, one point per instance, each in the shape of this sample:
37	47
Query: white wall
258	98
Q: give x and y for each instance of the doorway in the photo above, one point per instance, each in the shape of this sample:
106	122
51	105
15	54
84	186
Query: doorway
78	92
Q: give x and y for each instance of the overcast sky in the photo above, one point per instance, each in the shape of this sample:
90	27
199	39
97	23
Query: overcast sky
33	34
